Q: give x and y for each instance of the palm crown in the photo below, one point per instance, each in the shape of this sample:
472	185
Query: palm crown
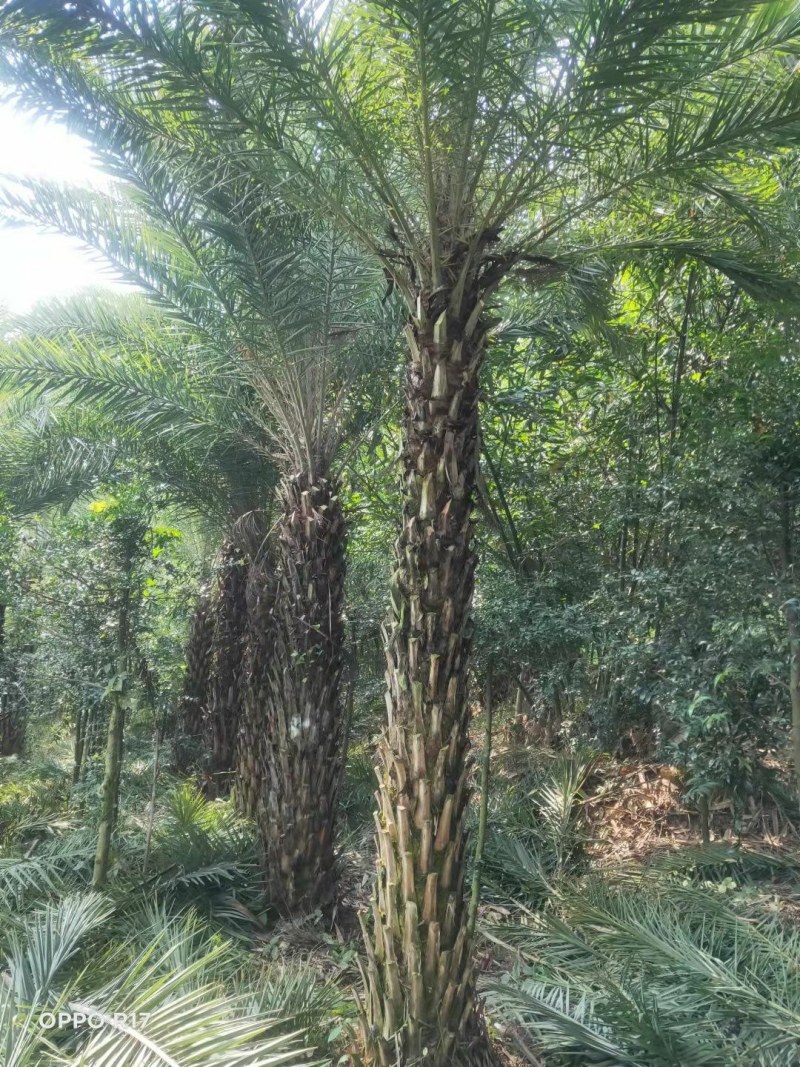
430	129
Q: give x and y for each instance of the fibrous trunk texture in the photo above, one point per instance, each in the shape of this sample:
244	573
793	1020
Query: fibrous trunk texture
420	1005
292	732
194	699
221	714
259	641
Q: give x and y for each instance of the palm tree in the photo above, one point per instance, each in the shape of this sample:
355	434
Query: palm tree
265	318
477	138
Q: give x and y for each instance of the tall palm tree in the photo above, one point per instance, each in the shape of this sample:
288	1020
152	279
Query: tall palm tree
265	317
477	137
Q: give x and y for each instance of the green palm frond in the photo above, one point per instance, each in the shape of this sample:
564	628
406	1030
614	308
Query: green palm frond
49	939
664	971
141	384
48	460
162	1004
449	119
101	384
297	994
57	864
531	848
178	1017
265	307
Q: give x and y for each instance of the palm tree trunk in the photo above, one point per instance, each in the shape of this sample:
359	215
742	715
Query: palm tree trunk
254	684
194	699
420	982
294	715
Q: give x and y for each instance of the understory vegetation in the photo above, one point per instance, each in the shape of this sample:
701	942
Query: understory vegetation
399	599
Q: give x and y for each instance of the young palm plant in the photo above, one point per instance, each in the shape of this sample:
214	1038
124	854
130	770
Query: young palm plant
652	969
165	1003
264	326
476	139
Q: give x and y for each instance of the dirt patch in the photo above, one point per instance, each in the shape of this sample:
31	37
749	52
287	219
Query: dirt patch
635	808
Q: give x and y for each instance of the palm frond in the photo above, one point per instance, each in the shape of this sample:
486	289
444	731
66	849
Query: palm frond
664	971
49	939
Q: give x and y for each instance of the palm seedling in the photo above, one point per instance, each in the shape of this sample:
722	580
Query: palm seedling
476	139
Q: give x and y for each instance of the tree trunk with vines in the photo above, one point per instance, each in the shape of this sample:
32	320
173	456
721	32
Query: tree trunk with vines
420	1005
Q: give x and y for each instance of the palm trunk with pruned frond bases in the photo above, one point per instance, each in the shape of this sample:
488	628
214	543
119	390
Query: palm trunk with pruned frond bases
292	732
420	1005
256	659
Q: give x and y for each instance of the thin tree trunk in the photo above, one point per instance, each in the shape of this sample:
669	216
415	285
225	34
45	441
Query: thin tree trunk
12	725
91	733
519	704
791	610
194	699
786	548
151	813
81	717
704	810
109	801
483	811
221	718
420	975
293	718
678	375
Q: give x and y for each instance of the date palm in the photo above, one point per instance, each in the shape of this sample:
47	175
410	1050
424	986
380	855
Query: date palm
245	371
477	138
